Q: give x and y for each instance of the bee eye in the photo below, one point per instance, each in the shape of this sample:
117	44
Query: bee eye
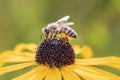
46	31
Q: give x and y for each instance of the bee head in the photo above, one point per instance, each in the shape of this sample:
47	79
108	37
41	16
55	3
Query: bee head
45	30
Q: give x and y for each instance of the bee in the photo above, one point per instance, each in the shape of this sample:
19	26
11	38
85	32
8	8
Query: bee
59	27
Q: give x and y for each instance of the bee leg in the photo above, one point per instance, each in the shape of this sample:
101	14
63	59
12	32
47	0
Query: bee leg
53	35
50	35
46	36
67	39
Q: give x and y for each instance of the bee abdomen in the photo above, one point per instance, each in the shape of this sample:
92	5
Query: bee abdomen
70	33
74	36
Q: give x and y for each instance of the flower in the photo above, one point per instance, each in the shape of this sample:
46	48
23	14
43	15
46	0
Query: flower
55	58
75	69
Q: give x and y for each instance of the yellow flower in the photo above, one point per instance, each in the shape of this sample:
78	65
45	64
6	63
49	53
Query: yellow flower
24	55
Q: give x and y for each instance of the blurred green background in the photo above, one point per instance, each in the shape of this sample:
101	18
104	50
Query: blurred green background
96	21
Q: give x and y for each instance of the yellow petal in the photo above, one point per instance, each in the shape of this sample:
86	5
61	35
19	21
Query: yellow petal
106	61
53	74
105	73
92	76
17	58
26	47
99	72
41	72
20	47
6	53
31	75
28	54
1	64
70	67
99	61
77	49
85	77
69	75
15	67
32	46
86	52
3	56
116	66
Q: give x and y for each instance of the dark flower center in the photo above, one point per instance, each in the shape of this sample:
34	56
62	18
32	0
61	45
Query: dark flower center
55	52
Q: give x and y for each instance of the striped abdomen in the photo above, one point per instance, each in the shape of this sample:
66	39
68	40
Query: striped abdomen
69	32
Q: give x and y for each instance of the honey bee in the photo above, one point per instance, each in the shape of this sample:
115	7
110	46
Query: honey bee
59	27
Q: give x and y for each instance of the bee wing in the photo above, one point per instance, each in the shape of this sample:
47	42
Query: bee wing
69	24
63	19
